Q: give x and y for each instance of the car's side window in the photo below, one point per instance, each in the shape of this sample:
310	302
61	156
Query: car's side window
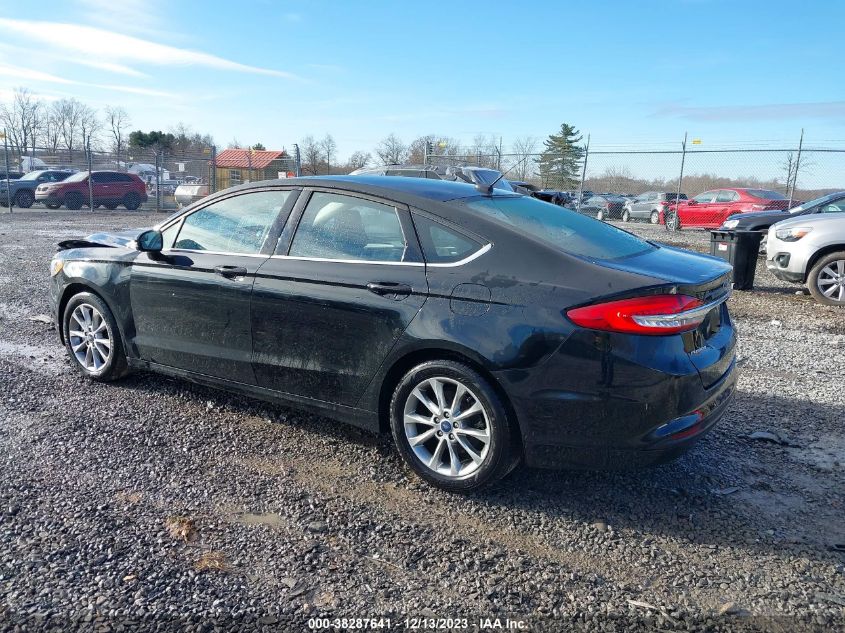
343	227
237	225
442	245
725	196
837	206
707	196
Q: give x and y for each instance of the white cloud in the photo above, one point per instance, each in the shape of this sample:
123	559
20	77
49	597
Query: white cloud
107	46
111	67
32	75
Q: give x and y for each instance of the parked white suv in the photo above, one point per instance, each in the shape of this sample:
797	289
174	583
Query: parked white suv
811	251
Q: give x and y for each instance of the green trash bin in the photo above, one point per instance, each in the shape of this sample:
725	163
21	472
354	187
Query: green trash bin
740	249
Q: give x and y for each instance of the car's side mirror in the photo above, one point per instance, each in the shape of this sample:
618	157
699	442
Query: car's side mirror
693	201
150	241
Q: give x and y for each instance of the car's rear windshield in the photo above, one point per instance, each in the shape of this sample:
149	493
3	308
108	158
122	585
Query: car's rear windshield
766	194
566	230
673	196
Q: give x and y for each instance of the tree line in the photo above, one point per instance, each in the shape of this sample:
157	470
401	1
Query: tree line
68	126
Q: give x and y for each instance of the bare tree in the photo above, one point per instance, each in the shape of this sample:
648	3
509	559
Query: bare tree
524	147
20	118
328	146
793	168
486	151
90	127
119	122
50	130
311	155
358	160
68	114
392	151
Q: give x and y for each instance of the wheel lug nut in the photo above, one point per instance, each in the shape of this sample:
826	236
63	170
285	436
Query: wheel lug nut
439	434
451	436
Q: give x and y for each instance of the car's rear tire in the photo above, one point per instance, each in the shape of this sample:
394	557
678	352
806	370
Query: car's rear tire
92	338
451	427
655	217
24	199
132	201
73	201
600	215
826	281
626	215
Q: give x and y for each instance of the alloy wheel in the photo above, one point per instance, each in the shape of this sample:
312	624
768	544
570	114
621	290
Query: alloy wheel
90	338
831	281
447	427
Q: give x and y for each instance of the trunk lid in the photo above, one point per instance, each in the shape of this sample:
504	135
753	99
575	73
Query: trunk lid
711	347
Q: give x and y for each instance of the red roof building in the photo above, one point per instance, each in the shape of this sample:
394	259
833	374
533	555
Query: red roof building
236	166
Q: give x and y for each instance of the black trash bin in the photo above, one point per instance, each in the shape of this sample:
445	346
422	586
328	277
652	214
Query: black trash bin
741	249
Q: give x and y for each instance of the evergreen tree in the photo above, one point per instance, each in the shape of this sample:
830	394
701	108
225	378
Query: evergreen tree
561	158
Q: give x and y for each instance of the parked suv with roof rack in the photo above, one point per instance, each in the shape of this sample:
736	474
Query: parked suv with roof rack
109	188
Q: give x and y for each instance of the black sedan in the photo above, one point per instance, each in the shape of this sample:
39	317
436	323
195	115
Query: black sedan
762	220
603	206
480	327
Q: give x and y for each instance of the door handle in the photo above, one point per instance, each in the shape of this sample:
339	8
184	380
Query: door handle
388	288
230	271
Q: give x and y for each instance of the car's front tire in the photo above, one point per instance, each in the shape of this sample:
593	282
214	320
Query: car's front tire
92	338
826	281
673	222
451	427
655	217
626	216
600	215
24	199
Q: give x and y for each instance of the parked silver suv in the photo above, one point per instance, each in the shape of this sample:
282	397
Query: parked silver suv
810	250
649	206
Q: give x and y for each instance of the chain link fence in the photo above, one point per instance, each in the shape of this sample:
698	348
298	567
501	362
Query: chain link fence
794	174
174	178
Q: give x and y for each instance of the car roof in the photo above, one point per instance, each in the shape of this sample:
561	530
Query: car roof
426	188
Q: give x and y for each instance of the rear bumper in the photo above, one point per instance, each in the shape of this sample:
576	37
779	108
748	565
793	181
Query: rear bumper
609	401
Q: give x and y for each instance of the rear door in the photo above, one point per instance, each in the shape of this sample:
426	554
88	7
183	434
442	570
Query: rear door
191	302
102	185
345	282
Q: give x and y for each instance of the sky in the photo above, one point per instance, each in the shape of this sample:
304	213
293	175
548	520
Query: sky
629	73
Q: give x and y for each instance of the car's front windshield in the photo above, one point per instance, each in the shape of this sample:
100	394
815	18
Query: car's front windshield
815	202
565	230
33	175
77	177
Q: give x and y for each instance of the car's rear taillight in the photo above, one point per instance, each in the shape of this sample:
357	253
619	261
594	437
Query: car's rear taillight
652	315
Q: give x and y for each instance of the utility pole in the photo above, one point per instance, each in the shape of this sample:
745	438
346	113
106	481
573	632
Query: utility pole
8	186
90	183
583	174
213	169
680	180
297	161
797	165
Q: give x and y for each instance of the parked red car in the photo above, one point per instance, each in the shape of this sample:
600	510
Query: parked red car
110	189
711	208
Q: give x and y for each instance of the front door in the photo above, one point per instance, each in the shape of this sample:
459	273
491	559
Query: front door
191	303
328	308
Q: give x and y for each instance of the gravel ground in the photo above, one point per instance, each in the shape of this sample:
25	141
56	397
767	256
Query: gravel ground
154	504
